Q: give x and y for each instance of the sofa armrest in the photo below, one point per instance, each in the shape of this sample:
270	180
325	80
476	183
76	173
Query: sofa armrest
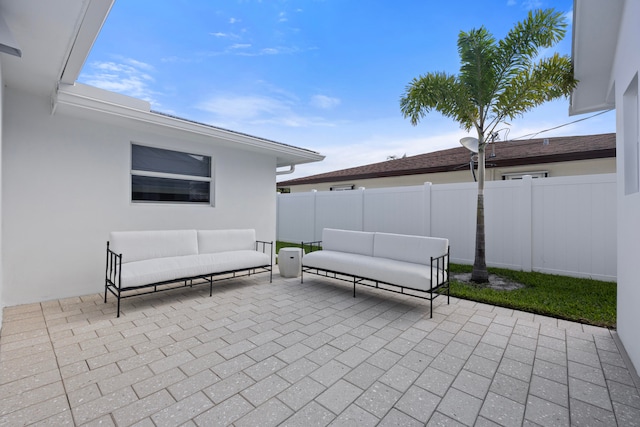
261	246
313	246
113	268
440	269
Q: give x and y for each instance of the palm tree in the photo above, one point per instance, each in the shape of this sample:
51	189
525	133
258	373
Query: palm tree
498	81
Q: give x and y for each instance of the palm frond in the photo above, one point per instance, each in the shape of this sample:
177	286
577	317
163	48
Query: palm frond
549	79
477	50
438	92
517	51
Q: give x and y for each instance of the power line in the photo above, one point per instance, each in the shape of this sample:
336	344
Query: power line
531	135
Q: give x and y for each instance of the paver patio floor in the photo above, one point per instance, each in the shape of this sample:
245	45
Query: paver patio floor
260	354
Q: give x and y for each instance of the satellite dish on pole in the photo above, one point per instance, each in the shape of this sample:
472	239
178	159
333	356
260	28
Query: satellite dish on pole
470	143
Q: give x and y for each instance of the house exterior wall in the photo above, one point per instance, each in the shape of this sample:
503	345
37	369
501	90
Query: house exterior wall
66	185
625	78
574	168
1	149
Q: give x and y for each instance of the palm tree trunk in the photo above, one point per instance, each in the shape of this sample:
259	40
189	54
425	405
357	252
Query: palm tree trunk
480	273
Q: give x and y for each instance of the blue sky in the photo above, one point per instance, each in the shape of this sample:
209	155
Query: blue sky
326	75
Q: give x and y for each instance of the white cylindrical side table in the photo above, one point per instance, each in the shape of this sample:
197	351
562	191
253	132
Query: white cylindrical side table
289	262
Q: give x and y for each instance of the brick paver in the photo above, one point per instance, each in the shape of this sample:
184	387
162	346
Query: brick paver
296	354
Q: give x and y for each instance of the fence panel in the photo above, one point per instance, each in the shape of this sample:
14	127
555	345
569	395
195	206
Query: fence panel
574	227
503	223
338	209
396	210
455	218
296	217
564	225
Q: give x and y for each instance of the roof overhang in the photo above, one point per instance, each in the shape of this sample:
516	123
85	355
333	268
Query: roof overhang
595	36
89	102
54	38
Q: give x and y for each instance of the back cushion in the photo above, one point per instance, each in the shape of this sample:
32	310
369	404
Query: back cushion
415	249
213	241
141	245
355	242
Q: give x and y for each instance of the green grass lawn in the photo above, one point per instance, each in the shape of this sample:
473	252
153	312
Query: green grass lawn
580	300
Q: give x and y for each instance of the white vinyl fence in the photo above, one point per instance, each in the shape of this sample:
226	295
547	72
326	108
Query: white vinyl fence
564	225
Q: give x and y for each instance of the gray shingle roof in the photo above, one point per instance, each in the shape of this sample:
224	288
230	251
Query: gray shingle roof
507	153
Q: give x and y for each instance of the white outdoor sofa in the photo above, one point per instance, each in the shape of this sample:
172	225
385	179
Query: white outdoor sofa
141	262
393	262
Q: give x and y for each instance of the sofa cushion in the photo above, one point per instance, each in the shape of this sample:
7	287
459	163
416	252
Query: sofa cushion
406	274
339	262
355	242
413	249
144	272
144	245
213	241
399	273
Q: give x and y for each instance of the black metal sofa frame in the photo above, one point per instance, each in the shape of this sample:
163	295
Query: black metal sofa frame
437	263
113	277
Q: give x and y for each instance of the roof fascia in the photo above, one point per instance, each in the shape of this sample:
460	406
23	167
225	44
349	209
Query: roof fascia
93	19
90	99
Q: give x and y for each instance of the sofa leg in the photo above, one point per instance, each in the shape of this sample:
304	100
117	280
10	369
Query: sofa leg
354	287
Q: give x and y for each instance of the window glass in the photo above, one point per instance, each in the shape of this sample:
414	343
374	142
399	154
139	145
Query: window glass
168	176
153	189
153	159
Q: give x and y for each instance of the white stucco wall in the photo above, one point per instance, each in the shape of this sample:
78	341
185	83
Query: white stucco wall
1	149
626	66
66	185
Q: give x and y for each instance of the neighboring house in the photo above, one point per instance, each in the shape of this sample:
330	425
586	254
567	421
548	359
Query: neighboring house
544	157
79	162
607	62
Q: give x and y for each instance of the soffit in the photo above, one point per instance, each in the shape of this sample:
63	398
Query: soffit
595	36
55	38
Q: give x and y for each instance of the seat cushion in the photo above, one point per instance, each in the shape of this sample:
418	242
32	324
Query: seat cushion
340	262
145	272
399	273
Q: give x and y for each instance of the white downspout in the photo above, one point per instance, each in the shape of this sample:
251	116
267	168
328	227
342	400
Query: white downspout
291	169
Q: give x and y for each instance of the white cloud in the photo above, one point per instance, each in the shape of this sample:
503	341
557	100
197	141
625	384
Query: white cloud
129	77
270	51
240	46
233	20
324	102
235	111
526	4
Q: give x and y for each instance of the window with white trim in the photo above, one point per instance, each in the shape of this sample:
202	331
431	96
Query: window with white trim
342	187
520	175
167	176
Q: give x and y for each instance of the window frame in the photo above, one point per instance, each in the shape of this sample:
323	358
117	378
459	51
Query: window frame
168	175
520	175
342	187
